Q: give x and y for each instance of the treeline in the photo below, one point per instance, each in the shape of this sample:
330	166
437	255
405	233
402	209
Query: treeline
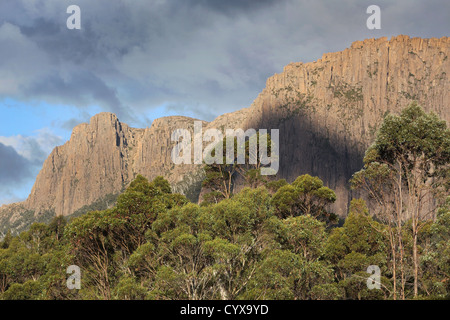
273	240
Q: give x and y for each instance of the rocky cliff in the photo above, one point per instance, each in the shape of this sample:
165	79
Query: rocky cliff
327	112
96	164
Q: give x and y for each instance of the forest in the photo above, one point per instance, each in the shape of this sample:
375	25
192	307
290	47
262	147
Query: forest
269	240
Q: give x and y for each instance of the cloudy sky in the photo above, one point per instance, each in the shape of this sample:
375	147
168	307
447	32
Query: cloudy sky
147	59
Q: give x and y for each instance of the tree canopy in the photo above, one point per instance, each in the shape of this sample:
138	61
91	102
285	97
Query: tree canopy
270	240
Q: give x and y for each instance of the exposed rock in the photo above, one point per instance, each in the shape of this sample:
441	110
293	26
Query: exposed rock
327	111
100	159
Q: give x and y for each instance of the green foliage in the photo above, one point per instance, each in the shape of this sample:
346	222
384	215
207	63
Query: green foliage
414	133
276	277
436	258
221	177
273	186
30	290
101	204
359	243
406	173
303	235
306	195
415	145
269	242
129	289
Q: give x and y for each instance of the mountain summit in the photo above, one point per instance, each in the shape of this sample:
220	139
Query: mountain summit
327	112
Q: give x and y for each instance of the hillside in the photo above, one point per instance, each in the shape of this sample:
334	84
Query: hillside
327	112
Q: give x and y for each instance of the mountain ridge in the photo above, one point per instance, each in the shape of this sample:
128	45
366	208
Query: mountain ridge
330	107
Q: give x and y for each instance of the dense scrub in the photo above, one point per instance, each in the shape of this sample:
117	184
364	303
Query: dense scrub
156	245
272	240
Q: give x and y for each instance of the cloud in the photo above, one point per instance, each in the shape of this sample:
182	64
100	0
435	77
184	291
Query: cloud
73	122
134	56
36	148
18	68
199	58
15	172
21	158
14	168
232	6
201	112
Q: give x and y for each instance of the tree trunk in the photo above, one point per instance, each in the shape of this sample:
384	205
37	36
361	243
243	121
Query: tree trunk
416	265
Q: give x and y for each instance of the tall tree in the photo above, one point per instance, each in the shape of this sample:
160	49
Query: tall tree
407	171
305	196
240	159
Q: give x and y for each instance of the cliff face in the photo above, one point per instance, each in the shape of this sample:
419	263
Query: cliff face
327	112
99	160
93	163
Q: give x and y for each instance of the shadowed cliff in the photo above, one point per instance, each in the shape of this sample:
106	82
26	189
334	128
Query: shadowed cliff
327	112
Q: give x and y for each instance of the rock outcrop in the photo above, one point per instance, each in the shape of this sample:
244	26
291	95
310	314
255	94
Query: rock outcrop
98	161
327	112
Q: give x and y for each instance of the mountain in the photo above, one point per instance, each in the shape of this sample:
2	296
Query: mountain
327	112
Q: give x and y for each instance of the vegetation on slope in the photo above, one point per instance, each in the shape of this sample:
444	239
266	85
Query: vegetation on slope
273	240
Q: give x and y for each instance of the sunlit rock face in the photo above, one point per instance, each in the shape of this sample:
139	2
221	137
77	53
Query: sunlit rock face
327	113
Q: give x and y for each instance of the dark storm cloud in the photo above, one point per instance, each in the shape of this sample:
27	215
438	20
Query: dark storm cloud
21	158
79	88
14	168
199	57
198	112
233	6
73	122
15	171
